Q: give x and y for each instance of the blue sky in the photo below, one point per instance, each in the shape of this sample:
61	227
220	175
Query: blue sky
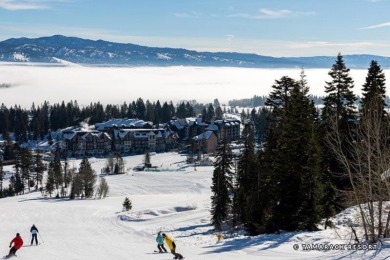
267	27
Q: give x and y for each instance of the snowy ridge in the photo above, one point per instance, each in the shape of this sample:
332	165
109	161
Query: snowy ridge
20	57
103	53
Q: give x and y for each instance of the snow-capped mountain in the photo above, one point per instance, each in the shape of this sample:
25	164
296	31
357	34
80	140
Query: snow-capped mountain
89	52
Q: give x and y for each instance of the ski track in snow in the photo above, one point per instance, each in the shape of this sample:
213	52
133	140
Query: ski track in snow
177	203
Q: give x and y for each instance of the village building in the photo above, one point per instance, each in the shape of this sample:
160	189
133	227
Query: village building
206	142
187	128
86	142
142	140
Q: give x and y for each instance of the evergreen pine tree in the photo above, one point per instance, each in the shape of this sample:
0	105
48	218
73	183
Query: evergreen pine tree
221	185
297	166
374	90
338	106
11	187
50	182
246	172
25	165
340	99
127	205
278	99
57	171
88	176
76	189
39	168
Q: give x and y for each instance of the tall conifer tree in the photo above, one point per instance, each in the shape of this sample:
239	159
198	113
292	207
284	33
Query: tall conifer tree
221	185
339	106
374	90
88	176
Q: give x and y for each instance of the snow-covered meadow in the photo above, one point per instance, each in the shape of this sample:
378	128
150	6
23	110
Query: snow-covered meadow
115	85
176	201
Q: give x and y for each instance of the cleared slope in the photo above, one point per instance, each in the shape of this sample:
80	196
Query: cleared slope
177	203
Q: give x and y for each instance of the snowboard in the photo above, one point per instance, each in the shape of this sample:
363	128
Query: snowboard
158	252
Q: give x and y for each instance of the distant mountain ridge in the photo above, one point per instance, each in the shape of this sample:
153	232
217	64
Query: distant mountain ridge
56	48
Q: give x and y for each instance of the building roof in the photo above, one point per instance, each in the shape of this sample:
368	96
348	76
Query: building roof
122	123
212	127
206	135
69	135
138	133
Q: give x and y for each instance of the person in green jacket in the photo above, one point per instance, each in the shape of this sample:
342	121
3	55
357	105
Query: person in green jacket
172	246
160	242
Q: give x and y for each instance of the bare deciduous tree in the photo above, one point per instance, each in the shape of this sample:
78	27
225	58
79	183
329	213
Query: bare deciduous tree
365	158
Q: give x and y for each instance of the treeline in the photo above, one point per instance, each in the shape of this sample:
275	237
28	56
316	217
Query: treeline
313	163
61	180
257	101
35	123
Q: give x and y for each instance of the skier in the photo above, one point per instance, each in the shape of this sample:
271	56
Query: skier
160	242
172	246
34	234
18	242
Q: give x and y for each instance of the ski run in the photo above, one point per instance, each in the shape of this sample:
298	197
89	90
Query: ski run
175	201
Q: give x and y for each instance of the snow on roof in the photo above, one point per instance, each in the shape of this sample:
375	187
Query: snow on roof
69	135
206	135
122	122
179	124
142	132
212	127
199	120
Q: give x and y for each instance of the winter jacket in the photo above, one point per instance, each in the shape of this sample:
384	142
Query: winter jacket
160	239
169	242
18	242
34	230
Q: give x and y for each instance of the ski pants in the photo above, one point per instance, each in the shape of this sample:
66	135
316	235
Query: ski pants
12	251
161	247
173	251
36	239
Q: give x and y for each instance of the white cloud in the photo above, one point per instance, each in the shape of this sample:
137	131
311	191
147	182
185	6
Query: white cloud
14	5
192	14
182	15
314	44
230	37
271	14
376	26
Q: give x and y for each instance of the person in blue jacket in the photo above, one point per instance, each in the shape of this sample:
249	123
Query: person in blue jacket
160	243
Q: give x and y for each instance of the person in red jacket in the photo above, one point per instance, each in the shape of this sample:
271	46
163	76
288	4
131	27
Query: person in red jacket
18	242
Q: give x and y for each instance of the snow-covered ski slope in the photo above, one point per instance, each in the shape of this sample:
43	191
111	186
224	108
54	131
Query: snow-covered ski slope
176	202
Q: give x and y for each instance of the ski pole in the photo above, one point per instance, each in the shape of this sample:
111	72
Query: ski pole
41	237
